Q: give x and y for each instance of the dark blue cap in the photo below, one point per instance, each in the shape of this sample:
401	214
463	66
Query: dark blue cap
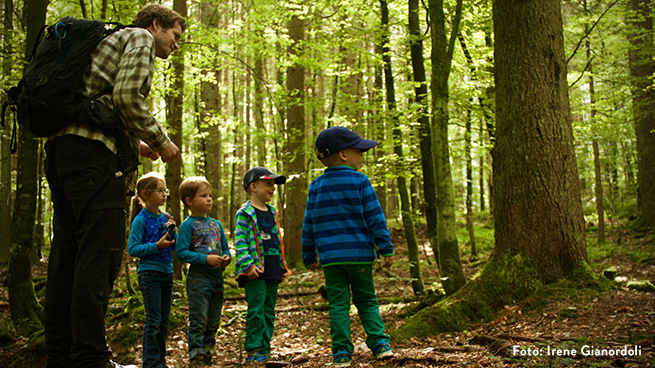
261	173
338	138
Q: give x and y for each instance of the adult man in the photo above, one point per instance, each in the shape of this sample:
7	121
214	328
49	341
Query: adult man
89	184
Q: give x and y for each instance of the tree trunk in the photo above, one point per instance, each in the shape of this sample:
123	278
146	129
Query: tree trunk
642	68
469	185
175	116
598	186
6	161
425	131
405	205
210	126
296	188
26	312
447	246
538	212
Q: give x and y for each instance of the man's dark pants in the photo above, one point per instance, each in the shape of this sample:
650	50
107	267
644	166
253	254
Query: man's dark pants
89	237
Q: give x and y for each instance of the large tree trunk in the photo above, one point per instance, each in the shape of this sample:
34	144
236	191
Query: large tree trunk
26	312
175	115
296	188
447	247
401	179
538	215
642	68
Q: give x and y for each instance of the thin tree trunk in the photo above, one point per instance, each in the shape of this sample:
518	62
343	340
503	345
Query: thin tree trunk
296	189
211	102
405	205
176	113
26	312
469	186
450	264
6	160
425	131
598	187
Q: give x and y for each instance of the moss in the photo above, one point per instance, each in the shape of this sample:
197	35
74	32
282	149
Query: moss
502	281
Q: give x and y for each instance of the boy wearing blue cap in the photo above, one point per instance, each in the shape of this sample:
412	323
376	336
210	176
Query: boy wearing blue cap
343	224
260	265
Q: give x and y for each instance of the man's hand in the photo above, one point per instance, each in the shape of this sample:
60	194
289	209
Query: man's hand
146	151
171	153
254	272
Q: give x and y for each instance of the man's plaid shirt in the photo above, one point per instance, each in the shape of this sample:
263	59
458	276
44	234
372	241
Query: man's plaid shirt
124	60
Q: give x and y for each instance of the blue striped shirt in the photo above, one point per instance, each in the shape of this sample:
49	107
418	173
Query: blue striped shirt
343	220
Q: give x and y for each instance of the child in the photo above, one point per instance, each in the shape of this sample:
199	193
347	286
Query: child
149	240
257	234
343	223
202	243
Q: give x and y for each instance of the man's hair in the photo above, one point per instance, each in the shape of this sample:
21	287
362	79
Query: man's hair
167	17
190	186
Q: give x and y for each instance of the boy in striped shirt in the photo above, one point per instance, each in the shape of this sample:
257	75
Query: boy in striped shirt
343	224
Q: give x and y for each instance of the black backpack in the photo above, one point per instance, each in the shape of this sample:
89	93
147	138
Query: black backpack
47	97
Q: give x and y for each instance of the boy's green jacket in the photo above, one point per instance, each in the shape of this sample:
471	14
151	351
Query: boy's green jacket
248	243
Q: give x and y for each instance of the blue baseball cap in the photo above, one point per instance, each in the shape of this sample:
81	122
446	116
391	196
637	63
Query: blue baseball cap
338	138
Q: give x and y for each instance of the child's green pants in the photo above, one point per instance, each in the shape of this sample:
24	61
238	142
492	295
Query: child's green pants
261	296
339	281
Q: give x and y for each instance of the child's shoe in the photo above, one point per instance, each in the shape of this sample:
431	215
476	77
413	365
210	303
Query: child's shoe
382	350
341	358
256	357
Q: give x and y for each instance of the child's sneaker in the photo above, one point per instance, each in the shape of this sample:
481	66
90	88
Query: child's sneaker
382	350
341	358
256	357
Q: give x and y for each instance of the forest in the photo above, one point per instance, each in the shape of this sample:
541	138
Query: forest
515	167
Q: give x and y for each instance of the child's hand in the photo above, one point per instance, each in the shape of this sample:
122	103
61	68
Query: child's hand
225	260
214	260
170	221
313	266
284	274
164	243
388	262
254	272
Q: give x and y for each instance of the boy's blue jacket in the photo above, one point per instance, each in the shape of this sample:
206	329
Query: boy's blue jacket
145	232
248	243
343	220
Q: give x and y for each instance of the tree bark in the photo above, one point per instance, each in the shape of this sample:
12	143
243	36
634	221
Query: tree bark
26	312
6	161
175	115
296	188
642	68
209	123
538	211
401	179
425	130
447	247
469	185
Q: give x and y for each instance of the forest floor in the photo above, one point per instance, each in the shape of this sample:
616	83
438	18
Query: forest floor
558	327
